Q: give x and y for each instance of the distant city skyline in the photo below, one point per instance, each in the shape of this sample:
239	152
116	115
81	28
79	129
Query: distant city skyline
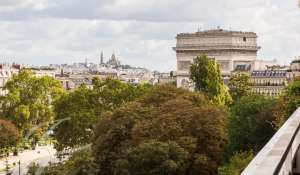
141	33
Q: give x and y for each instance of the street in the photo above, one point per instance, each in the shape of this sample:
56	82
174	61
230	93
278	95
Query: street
42	155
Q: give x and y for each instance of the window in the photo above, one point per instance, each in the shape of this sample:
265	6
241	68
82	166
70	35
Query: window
244	39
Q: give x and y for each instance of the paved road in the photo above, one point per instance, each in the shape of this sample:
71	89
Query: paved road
43	161
42	155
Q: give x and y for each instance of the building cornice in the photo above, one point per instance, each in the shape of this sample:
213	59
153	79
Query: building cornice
218	32
215	48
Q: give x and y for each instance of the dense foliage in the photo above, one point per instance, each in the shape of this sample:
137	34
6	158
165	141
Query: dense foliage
291	98
287	103
9	135
80	110
28	102
238	162
251	123
154	157
168	121
80	163
145	130
206	75
77	113
239	85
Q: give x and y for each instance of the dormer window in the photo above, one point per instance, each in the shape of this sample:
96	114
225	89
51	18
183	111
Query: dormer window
244	39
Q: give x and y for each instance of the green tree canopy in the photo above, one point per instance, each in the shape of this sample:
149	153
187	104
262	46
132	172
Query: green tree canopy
288	102
206	75
251	123
79	163
112	93
29	101
165	114
239	85
77	112
238	162
82	108
153	157
292	98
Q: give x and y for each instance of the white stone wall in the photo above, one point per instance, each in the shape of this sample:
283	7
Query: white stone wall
269	86
273	153
228	62
217	41
228	48
295	66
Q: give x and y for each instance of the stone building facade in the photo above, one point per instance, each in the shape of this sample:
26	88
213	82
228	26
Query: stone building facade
269	82
6	72
295	68
231	49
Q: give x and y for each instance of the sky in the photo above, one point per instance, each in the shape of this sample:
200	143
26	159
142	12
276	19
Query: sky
140	32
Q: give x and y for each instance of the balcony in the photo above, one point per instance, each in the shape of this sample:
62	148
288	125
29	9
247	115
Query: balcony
281	154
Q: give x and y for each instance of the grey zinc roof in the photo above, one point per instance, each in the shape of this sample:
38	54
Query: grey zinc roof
269	73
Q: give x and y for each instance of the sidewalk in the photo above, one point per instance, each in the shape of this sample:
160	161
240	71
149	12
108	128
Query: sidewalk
27	157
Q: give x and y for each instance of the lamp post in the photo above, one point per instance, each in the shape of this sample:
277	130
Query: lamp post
19	163
6	166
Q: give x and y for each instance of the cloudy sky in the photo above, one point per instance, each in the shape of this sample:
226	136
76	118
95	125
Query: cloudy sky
140	32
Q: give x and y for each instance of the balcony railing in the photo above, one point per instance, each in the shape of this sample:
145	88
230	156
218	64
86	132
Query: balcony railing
280	155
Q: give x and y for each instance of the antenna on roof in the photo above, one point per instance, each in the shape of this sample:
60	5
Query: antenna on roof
199	29
101	58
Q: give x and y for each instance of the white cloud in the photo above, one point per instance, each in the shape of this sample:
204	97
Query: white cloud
142	33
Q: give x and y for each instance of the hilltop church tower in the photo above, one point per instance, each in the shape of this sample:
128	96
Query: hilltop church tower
101	58
113	61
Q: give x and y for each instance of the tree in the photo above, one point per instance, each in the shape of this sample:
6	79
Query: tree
112	93
239	85
280	111
77	112
29	101
9	135
292	98
287	103
80	110
33	169
238	162
251	123
206	75
153	157
165	114
79	163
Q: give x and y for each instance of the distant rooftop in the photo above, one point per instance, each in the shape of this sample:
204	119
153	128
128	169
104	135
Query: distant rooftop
296	61
269	73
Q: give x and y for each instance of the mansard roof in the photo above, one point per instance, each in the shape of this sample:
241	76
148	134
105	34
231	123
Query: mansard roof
269	73
296	61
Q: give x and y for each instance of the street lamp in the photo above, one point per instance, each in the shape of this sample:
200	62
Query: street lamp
19	163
